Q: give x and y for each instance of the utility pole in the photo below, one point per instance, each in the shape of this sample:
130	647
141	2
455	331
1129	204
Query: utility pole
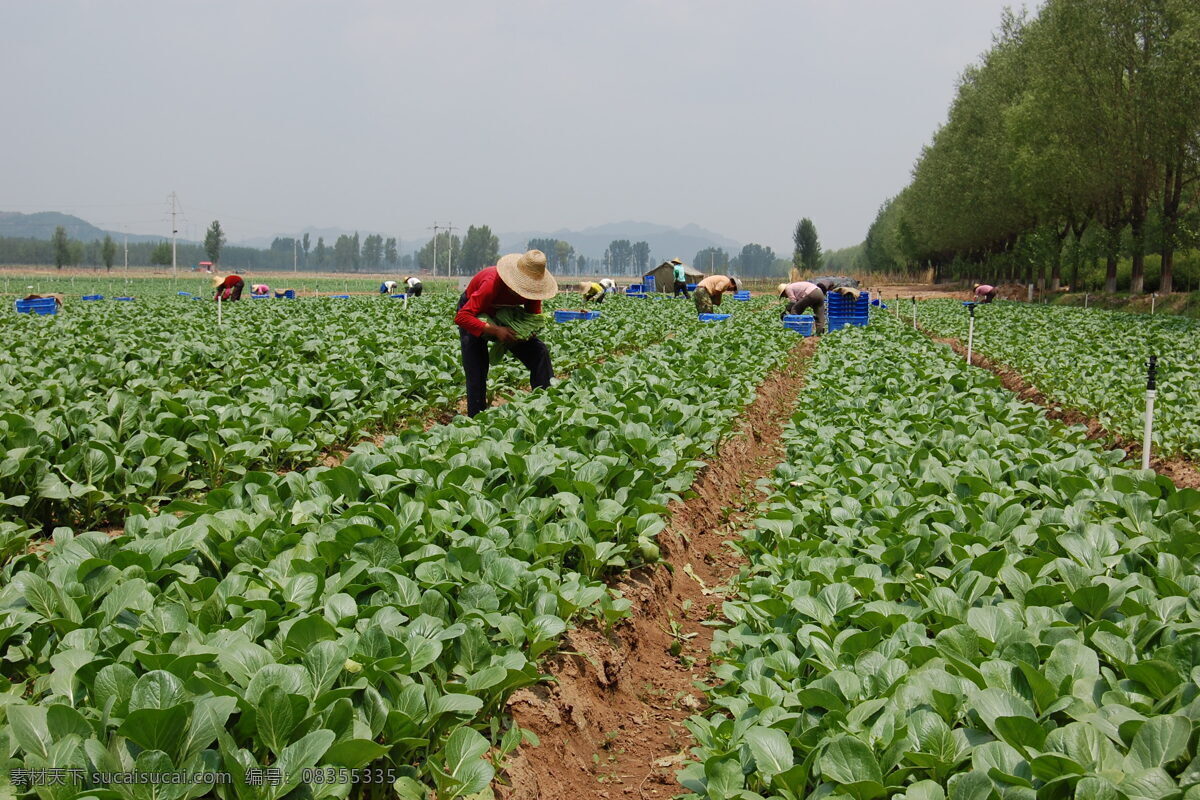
435	230
174	231
450	229
127	257
295	244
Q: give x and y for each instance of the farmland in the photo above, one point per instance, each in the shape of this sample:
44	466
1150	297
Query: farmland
948	594
1092	360
269	544
376	612
111	404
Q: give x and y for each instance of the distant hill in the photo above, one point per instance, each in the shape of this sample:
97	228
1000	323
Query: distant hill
665	241
41	225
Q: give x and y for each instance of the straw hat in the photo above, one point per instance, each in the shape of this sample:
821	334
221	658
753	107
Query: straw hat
526	274
781	288
217	280
737	283
676	261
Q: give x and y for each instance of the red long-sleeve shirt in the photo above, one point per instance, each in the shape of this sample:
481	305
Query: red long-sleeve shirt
230	282
484	293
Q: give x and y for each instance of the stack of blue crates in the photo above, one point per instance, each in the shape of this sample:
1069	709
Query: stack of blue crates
800	323
844	312
742	295
650	287
43	305
91	297
636	288
714	317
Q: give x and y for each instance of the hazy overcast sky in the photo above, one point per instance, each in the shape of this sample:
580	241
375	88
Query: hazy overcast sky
271	115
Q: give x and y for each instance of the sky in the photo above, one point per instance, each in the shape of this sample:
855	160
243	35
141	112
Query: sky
741	116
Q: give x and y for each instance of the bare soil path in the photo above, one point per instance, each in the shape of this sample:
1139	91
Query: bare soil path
610	725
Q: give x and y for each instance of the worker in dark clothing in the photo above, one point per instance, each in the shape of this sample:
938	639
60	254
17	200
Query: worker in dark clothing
680	278
228	288
518	279
413	286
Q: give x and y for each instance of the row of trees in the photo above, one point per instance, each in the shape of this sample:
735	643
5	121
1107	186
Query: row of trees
1077	137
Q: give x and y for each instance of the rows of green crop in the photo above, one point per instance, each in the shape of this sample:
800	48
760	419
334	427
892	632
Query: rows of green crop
113	406
1094	361
376	613
952	596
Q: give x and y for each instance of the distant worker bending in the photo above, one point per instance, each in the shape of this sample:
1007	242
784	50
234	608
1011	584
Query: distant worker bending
802	295
680	278
710	290
518	279
609	285
387	287
413	286
228	288
592	292
984	293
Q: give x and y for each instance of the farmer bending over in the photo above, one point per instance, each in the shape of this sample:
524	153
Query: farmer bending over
228	288
802	295
984	293
592	292
609	284
710	290
518	279
387	287
414	286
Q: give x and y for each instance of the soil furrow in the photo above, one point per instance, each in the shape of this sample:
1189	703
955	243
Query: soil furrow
610	723
1182	472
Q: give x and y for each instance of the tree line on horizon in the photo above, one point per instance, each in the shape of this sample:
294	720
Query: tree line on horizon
1074	141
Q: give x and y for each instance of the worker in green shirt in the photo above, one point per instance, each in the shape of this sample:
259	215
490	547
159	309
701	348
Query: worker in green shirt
680	278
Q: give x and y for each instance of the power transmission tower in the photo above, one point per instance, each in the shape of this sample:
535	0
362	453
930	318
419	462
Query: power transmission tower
174	231
450	229
435	230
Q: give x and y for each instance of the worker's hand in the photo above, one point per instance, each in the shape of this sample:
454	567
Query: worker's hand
504	334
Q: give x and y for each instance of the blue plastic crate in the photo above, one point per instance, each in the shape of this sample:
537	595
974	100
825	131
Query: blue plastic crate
93	297
744	294
641	295
179	294
691	287
124	299
290	294
340	296
198	298
801	324
569	316
399	296
714	317
44	305
636	288
650	283
838	324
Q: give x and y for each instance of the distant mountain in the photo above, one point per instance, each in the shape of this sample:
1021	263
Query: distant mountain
665	241
42	224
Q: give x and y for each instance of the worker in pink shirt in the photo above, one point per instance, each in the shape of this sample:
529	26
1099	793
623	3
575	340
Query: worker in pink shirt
518	279
984	293
803	295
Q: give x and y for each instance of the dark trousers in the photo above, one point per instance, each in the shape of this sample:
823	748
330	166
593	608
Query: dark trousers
416	290
532	353
680	286
237	291
813	301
